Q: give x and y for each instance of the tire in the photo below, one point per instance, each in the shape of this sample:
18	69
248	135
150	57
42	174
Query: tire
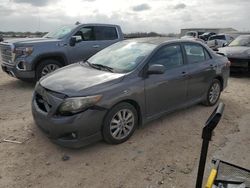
46	67
213	93
121	129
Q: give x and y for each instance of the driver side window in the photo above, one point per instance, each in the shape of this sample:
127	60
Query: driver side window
85	34
170	56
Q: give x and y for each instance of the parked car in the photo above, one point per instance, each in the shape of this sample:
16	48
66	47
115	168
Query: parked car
193	35
218	41
123	87
238	52
32	58
205	36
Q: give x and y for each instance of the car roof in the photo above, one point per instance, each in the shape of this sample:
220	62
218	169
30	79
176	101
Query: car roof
160	40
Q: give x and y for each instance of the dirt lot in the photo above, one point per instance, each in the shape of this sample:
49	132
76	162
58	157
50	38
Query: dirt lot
164	153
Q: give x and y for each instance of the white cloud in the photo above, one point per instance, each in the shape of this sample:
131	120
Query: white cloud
141	7
159	15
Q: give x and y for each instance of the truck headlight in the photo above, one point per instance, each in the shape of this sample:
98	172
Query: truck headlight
78	104
19	51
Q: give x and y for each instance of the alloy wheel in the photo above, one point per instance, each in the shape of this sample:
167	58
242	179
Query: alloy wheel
49	68
214	93
122	124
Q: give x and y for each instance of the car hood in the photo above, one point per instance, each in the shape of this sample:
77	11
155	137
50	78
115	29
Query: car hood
235	51
23	41
77	79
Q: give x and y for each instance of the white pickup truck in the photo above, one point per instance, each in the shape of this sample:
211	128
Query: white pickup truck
218	41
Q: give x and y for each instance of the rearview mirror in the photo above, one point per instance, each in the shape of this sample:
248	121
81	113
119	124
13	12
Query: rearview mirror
156	69
74	40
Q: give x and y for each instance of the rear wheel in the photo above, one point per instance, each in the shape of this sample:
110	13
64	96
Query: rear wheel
120	123
213	93
46	67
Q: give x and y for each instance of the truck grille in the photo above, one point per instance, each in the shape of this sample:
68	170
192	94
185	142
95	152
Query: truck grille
6	53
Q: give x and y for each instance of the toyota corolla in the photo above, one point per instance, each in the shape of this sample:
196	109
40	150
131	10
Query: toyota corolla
124	86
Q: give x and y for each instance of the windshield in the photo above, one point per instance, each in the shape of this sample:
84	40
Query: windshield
123	56
241	41
219	37
60	33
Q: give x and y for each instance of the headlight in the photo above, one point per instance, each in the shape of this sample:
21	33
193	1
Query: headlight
78	104
23	51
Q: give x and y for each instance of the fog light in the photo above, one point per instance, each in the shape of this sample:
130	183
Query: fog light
69	136
21	65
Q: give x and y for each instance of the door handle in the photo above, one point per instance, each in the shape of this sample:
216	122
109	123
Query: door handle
96	46
213	66
184	73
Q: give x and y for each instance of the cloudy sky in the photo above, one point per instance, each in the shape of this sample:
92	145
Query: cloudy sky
163	16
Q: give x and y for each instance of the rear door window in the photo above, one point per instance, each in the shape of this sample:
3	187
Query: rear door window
195	53
105	33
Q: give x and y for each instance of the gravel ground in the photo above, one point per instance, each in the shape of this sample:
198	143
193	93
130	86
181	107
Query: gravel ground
165	153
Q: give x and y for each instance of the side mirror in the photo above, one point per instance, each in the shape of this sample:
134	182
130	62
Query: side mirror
74	40
156	69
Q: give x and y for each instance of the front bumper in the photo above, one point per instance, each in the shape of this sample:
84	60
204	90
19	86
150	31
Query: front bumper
239	64
20	74
69	131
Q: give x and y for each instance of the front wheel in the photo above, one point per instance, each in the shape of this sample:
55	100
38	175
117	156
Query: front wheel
46	67
213	93
120	123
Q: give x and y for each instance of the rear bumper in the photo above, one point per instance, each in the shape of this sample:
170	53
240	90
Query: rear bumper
14	72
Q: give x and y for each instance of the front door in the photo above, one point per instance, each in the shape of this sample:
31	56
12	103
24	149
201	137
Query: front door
165	92
92	39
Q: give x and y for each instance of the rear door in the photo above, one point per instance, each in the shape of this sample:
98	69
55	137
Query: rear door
201	70
167	91
105	35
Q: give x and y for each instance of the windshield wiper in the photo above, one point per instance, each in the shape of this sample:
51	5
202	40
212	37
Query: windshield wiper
99	66
110	69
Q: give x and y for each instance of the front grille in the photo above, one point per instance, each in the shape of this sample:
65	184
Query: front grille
6	53
42	103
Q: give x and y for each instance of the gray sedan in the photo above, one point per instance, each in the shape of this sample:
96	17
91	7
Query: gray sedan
124	86
238	52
